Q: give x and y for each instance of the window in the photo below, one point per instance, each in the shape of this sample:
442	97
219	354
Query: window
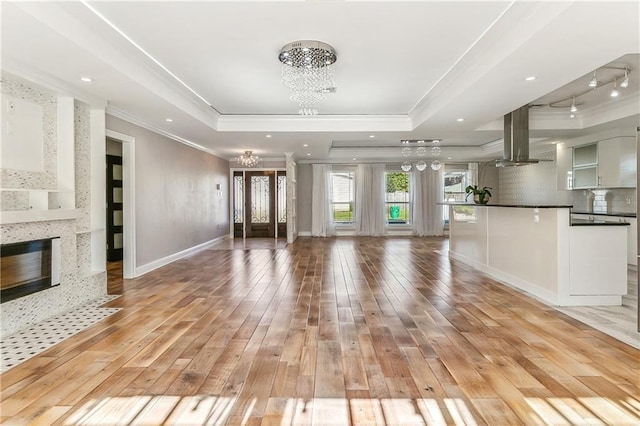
397	205
342	191
455	181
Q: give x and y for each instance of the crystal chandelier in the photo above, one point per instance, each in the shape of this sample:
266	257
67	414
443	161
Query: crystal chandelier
248	159
307	71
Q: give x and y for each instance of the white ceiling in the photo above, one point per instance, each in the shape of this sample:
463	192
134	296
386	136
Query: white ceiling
405	70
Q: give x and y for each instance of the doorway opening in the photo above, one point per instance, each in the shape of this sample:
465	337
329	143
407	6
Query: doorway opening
260	204
114	216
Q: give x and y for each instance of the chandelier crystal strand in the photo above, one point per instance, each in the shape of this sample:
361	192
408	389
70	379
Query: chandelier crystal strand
435	149
308	72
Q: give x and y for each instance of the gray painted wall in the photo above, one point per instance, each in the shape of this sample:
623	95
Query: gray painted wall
304	188
177	203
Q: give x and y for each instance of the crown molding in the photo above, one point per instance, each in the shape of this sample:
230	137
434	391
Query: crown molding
126	116
317	123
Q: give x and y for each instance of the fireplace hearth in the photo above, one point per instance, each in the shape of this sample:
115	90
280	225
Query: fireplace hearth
28	267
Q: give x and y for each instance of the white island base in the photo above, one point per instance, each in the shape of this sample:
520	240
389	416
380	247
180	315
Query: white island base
535	249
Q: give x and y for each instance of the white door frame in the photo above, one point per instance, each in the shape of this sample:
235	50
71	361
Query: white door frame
129	201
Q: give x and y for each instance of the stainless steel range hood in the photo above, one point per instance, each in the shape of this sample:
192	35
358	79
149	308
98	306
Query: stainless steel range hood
516	139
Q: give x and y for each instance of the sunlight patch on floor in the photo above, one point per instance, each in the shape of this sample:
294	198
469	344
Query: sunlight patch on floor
216	410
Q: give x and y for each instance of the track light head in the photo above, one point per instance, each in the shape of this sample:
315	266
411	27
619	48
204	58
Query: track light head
594	81
625	82
614	92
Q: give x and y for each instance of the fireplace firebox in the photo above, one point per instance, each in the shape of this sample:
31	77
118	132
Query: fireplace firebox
28	267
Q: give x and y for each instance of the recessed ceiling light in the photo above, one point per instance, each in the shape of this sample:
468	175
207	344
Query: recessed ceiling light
305	145
169	120
86	79
267	136
460	119
354	159
308	153
448	158
530	78
372	136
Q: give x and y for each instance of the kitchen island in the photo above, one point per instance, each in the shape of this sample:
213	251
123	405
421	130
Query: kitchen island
536	249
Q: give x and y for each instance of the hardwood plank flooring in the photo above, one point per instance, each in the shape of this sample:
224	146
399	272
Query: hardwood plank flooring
327	331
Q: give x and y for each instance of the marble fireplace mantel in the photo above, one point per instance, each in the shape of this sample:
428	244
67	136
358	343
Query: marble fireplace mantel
26	216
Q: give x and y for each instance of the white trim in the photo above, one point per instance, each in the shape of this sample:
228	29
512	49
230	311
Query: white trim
509	280
304	233
129	201
123	115
24	216
316	123
176	256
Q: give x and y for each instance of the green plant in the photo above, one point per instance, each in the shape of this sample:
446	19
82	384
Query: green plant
482	193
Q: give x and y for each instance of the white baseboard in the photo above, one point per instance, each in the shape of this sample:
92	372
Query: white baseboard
144	269
509	280
304	233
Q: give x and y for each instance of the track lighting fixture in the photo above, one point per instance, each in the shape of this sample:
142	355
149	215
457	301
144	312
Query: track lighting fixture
606	77
573	108
614	91
625	82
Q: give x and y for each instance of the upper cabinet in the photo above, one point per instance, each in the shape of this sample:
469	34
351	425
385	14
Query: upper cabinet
617	162
585	166
609	163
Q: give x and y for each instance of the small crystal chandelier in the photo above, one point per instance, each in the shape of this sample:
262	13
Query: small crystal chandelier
307	71
248	159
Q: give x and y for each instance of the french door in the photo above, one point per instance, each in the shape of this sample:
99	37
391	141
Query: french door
259	204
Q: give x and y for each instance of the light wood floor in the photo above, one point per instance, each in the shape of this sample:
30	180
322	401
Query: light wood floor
327	331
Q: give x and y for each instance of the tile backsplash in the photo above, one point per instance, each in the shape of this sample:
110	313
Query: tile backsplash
536	183
614	200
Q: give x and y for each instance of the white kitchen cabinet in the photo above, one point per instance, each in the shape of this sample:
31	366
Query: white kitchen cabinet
632	232
617	162
585	166
632	236
564	167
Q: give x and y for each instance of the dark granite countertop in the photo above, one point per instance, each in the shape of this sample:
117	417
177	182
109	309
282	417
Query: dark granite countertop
519	206
585	222
605	214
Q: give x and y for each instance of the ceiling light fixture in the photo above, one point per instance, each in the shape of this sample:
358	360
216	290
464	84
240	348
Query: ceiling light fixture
307	71
248	159
573	108
406	166
86	79
572	101
372	136
267	136
460	119
168	120
436	165
530	78
421	166
625	82
435	148
614	91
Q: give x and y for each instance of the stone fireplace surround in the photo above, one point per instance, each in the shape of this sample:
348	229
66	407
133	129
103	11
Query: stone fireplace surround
65	200
74	289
